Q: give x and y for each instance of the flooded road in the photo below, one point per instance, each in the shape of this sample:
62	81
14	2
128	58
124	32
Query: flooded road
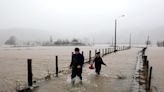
116	77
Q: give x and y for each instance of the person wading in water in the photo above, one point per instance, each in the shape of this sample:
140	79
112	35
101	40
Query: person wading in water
77	65
98	62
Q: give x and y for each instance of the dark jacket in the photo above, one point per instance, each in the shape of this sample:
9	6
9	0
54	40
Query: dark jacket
98	61
77	59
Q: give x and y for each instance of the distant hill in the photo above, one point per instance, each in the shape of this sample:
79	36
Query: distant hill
24	34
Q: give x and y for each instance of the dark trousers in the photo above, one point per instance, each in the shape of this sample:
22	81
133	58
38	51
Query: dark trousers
98	69
76	72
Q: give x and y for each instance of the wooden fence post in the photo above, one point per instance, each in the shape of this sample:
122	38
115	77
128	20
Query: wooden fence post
102	52
57	70
95	52
90	56
29	68
144	60
150	73
82	53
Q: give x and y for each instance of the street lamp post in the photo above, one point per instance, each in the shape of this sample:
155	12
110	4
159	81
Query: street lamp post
130	41
115	36
115	40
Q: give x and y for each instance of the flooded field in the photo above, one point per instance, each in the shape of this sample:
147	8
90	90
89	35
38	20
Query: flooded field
13	62
156	59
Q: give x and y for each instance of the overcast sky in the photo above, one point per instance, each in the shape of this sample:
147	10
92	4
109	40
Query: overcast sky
84	19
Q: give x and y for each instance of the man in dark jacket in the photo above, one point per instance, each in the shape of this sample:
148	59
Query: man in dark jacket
98	62
76	65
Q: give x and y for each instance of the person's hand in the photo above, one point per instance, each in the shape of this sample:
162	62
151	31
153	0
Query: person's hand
78	66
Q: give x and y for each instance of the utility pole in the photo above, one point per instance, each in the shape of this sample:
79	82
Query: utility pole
148	41
112	41
130	41
115	36
115	40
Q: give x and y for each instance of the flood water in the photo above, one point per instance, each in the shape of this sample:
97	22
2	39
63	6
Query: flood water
156	59
116	77
13	62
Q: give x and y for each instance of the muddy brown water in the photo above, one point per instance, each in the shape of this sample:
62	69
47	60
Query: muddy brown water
13	62
156	59
116	77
